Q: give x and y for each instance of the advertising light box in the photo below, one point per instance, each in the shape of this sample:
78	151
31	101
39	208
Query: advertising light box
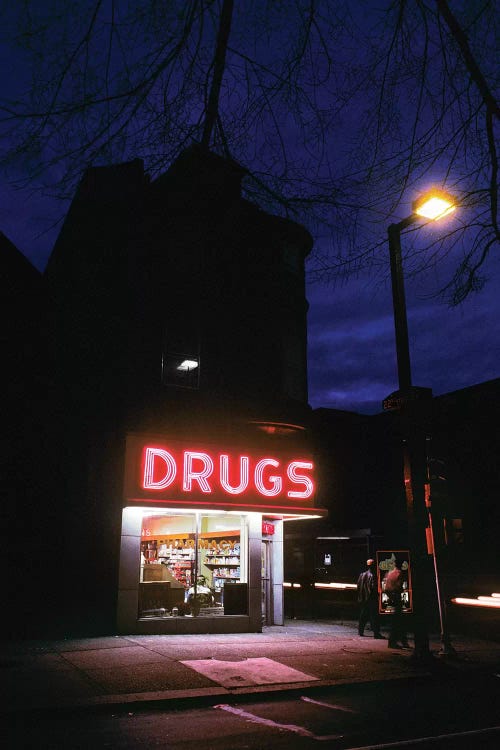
386	562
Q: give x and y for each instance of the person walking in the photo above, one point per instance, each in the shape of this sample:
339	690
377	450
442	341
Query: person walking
393	586
368	601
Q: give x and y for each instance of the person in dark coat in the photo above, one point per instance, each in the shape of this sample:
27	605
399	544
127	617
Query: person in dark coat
368	601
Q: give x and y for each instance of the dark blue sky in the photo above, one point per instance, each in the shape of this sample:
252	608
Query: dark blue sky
352	361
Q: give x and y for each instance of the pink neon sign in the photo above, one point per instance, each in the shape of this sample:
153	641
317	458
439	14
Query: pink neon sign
208	473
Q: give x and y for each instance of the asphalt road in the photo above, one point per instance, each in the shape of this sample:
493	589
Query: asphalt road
421	713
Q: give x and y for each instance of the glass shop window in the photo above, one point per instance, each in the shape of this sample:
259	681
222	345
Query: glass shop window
192	565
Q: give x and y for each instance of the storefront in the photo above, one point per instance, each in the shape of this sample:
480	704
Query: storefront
202	534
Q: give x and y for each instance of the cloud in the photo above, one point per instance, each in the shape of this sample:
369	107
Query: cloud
352	351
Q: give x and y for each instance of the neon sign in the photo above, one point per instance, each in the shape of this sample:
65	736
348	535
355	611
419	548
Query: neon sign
209	473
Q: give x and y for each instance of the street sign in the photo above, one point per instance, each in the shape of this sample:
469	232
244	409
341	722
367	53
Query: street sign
395	401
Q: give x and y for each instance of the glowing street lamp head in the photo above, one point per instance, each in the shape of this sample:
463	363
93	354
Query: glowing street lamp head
434	205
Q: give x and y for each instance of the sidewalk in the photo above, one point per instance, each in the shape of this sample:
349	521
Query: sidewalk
125	671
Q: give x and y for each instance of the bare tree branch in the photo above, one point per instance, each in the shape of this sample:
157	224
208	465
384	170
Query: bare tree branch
472	66
212	109
341	111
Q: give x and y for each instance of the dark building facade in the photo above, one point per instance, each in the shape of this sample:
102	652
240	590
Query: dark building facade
179	319
361	464
466	443
28	470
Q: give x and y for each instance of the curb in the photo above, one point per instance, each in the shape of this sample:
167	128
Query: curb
189	698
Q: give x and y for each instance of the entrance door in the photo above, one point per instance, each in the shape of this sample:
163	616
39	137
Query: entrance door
267	605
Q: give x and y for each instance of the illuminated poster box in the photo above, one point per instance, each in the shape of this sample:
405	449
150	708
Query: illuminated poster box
386	560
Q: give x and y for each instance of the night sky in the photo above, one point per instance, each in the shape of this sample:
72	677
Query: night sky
352	361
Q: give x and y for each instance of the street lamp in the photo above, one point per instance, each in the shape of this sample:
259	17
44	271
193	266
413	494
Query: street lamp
432	206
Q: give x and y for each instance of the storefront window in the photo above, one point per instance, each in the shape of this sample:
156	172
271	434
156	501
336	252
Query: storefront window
192	565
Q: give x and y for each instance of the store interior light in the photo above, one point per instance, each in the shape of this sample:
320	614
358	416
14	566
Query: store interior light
332	537
434	205
294	517
187	365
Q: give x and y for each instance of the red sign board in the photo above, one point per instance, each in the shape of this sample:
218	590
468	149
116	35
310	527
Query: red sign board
267	528
168	471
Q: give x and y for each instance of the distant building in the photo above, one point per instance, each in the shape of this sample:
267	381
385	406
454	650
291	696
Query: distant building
466	445
361	474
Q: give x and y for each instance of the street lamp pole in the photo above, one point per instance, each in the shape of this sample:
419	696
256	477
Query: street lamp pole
446	646
399	302
432	206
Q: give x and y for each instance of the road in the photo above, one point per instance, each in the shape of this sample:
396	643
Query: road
447	713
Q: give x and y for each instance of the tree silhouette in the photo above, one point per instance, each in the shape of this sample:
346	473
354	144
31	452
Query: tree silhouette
340	112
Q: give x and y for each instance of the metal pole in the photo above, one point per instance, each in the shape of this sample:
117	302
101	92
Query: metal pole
399	303
446	646
413	510
416	534
196	541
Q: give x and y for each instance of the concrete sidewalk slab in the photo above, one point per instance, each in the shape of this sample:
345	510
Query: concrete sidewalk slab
131	670
129	656
147	677
248	672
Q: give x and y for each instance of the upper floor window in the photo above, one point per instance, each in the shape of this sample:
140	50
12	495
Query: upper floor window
181	358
